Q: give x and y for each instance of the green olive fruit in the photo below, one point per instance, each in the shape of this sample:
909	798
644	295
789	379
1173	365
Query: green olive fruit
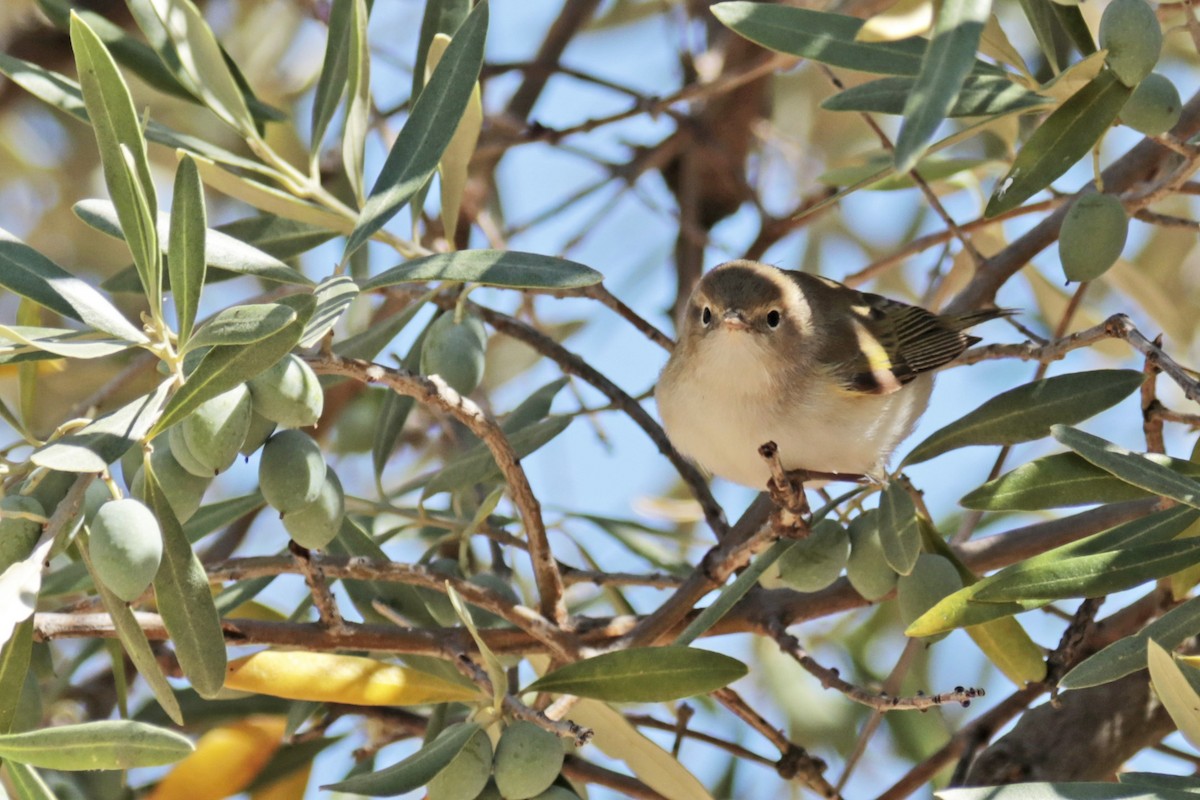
49	487
183	454
1154	107
556	793
932	578
18	535
97	494
291	471
216	430
455	351
1130	32
490	792
289	393
867	568
467	773
257	434
1092	236
497	585
183	490
126	547
811	563
314	525
528	759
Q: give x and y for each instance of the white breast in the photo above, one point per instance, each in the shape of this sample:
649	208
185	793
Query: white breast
721	424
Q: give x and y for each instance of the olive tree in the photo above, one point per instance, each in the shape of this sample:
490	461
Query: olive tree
330	464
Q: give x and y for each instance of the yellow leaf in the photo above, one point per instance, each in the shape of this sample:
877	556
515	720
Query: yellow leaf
456	160
330	678
904	19
1175	691
1008	646
995	44
1075	77
225	760
289	787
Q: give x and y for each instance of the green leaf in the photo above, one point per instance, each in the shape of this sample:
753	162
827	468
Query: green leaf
105	439
221	250
1027	412
370	342
64	342
961	609
14	664
947	63
119	132
478	466
418	148
331	84
240	325
1133	468
1175	691
507	268
1061	791
186	260
441	16
26	272
414	771
1127	656
1046	28
217	515
898	530
112	744
980	95
225	367
202	63
27	782
137	646
1063	138
185	600
358	101
1092	575
824	37
405	600
643	675
277	237
1153	780
334	295
1059	480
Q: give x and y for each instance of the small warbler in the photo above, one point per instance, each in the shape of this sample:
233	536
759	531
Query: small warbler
835	377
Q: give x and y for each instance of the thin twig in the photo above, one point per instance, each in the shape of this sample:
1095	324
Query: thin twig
562	728
314	577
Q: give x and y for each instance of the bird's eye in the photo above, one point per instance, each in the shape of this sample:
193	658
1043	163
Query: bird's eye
773	318
706	315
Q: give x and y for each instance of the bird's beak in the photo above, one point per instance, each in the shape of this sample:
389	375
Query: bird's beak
734	321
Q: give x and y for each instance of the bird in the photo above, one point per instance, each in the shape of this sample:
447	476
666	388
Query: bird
837	378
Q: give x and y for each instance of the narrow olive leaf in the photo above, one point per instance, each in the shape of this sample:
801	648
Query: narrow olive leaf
414	771
1060	480
1126	656
203	63
1093	575
1133	468
824	37
358	100
961	609
441	16
331	84
403	599
1070	18
225	367
136	645
14	664
26	272
1154	780
643	675
1027	412
185	600
1045	30
186	259
110	744
435	115
370	342
1175	691
394	412
1063	138
1060	791
105	439
63	342
947	62
478	466
334	295
1009	648
456	161
243	325
898	531
277	237
215	516
980	95
268	198
221	249
27	783
510	269
116	126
